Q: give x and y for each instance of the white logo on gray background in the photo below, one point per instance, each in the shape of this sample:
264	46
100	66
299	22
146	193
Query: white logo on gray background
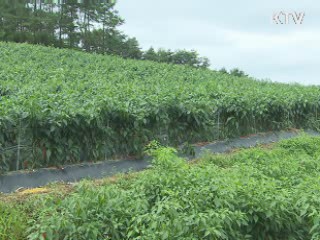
287	18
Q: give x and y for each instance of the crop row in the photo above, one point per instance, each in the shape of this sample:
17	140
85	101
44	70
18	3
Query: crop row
63	106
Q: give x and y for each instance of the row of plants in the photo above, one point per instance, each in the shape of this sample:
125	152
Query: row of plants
63	106
260	193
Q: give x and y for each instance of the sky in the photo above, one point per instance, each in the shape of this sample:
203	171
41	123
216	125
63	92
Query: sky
233	34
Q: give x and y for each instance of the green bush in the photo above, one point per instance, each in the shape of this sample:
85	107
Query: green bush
255	194
13	222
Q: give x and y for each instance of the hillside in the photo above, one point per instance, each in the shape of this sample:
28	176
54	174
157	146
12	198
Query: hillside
65	106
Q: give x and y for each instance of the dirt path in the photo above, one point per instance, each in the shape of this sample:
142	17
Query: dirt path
15	180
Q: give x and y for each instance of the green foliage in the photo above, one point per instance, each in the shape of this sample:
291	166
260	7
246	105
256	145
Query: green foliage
13	222
184	57
238	73
62	106
65	24
307	144
188	149
252	194
234	72
166	159
88	25
152	146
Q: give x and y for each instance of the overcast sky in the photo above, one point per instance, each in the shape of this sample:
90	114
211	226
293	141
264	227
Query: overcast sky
233	34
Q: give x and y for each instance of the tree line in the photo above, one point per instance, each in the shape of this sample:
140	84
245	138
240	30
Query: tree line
88	25
234	72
